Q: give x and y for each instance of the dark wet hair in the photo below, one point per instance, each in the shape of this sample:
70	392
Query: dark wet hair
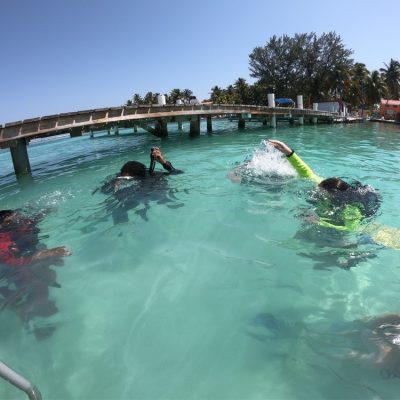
331	184
341	193
134	168
4	214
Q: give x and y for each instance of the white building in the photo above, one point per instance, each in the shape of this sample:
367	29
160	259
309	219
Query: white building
334	106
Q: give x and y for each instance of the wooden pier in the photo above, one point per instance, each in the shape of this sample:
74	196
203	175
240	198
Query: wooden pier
154	119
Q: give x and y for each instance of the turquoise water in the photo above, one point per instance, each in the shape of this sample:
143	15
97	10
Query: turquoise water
215	292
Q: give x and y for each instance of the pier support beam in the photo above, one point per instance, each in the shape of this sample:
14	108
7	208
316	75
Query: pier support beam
180	126
241	122
315	108
301	120
20	159
161	128
135	128
195	126
209	124
273	121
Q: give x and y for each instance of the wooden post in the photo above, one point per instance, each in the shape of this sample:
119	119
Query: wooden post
180	126
273	121
135	128
209	124
241	122
20	159
301	120
194	126
315	108
161	128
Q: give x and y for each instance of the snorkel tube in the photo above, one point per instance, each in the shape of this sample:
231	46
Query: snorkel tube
152	162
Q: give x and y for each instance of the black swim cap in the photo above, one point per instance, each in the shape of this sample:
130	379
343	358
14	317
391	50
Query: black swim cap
4	214
334	184
134	168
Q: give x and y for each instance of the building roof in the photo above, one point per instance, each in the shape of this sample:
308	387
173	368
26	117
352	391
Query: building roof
390	102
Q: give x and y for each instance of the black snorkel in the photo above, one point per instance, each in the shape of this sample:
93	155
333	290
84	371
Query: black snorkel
152	162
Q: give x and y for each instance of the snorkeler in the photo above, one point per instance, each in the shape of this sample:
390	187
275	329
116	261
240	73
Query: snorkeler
341	205
19	240
135	184
354	201
372	342
135	170
25	269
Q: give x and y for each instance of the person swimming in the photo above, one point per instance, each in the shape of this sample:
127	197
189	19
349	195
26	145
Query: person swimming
136	184
373	341
341	205
25	269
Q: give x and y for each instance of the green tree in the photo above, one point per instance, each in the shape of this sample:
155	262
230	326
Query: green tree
359	77
216	95
187	94
137	99
303	64
242	91
375	88
174	95
259	94
150	98
391	76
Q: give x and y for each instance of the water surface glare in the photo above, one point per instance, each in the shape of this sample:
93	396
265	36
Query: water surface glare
214	289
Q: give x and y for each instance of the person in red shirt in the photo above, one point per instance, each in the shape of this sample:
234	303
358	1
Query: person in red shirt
25	269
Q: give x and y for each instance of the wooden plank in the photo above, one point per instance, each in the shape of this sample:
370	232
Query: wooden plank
10	131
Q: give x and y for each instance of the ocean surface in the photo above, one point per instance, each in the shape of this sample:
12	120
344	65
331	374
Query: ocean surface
216	285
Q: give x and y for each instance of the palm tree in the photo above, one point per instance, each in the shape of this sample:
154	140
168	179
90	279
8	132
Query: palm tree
231	96
174	95
150	98
391	76
216	94
187	94
137	99
376	88
242	91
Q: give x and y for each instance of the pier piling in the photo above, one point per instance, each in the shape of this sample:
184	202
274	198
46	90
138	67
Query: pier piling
195	126
20	159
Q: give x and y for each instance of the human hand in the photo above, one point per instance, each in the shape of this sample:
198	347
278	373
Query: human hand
282	147
158	156
54	252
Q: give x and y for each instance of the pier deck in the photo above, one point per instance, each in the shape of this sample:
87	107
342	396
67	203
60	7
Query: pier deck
154	119
99	119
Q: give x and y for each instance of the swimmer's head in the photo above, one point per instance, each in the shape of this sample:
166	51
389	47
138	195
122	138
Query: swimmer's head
134	169
6	214
332	184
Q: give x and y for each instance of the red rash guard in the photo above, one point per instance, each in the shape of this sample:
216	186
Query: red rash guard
8	251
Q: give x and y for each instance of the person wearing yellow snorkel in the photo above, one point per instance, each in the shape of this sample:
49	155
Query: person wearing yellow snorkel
340	205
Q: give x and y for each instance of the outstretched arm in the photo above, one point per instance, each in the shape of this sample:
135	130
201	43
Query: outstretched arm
297	163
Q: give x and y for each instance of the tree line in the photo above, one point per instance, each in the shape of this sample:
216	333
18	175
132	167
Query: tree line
184	95
318	67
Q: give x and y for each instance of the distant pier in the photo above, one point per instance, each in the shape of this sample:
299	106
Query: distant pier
152	118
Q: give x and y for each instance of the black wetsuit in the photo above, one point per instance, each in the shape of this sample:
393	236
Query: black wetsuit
140	187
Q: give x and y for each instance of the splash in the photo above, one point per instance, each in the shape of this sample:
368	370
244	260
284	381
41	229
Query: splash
266	161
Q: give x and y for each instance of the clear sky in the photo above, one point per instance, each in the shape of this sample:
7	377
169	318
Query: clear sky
68	55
